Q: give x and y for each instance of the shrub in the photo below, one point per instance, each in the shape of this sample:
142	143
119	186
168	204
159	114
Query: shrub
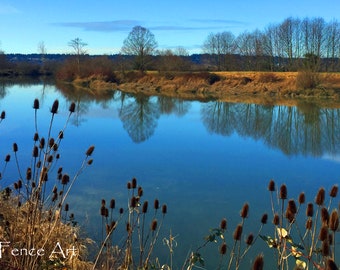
307	79
268	77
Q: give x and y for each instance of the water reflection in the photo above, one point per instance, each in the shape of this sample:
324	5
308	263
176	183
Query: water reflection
305	129
139	117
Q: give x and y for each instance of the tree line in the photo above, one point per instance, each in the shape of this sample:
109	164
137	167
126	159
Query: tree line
287	46
295	44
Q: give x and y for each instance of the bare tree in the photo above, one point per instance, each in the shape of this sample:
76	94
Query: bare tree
142	44
79	49
42	51
219	46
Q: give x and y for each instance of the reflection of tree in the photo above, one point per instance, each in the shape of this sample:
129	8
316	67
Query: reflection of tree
168	105
218	117
305	129
83	98
139	118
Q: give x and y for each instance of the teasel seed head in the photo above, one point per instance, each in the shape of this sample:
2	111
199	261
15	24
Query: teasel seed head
15	147
61	135
7	158
44	174
66	208
156	204
164	209
55	147
238	232
51	142
153	226
90	161
290	216
331	265
134	183
271	185
324	216
244	211
55	106
121	211
28	174
140	191
107	228
60	170
54	197
19	184
264	218
276	220
223	224
310	210
16	185
55	189
258	263
292	206
133	202
42	143
103	202
250	239
112	203
302	198
36	104
323	234
334	191
3	115
320	197
72	107
90	150
65	179
325	250
106	212
129	185
309	224
38	164
283	192
128	227
49	158
334	221
145	207
36	137
223	248
35	152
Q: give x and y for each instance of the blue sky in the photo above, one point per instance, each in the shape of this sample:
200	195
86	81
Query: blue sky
104	24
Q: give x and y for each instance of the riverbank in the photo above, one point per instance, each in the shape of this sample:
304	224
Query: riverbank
257	87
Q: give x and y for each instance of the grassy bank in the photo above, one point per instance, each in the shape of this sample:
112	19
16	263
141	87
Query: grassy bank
258	87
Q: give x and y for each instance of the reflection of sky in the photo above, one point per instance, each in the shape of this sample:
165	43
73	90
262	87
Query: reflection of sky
202	176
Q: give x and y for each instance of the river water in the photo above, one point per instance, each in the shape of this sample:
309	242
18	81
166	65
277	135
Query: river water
204	160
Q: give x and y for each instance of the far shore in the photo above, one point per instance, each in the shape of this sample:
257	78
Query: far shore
254	87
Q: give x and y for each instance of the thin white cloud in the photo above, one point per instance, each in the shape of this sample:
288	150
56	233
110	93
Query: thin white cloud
220	22
109	26
8	9
126	25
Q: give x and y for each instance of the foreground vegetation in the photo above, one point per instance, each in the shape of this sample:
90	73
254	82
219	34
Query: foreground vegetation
38	231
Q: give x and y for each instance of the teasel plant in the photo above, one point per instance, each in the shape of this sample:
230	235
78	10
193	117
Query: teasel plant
35	212
232	248
142	227
312	246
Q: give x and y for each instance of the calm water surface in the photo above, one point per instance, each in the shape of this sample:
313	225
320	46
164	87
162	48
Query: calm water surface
204	160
